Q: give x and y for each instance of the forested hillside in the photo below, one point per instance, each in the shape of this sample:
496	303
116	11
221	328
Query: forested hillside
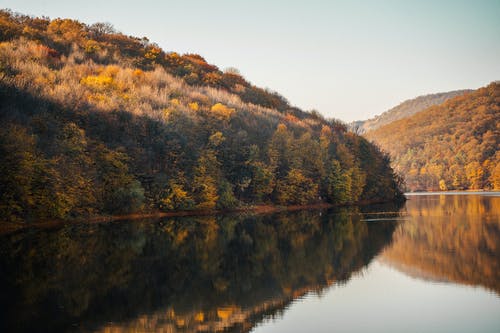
96	122
404	110
452	146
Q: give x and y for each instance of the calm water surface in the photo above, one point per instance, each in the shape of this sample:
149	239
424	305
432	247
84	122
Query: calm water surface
430	266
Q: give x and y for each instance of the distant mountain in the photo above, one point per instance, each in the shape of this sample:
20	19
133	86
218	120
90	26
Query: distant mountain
452	146
403	110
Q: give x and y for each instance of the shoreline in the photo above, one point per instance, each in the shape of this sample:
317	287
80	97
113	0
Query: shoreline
456	192
9	227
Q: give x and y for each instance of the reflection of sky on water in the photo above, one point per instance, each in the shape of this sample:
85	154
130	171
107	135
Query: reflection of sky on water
382	299
439	274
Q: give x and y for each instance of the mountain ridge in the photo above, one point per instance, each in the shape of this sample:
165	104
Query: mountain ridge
404	109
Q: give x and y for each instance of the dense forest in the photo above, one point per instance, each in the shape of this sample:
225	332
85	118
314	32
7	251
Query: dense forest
404	110
95	122
452	146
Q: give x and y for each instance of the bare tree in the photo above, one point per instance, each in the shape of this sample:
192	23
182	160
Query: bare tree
101	28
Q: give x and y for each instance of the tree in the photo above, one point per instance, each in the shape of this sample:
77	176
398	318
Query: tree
175	198
339	184
205	179
74	165
66	30
101	28
474	173
358	181
279	151
307	156
118	190
295	188
8	26
226	195
17	159
495	177
221	111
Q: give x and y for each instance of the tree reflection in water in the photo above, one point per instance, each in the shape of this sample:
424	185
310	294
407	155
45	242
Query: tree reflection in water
452	238
189	274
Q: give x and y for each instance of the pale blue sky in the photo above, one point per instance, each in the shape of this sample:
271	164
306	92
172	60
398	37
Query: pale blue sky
347	59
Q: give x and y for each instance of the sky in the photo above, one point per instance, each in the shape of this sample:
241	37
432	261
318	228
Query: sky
349	60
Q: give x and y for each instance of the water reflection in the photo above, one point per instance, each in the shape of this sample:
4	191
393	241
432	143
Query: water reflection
454	238
190	274
231	273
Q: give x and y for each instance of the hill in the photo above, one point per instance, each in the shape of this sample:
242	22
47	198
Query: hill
405	109
452	146
95	122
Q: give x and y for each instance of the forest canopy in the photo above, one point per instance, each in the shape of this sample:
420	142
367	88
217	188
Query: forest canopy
451	146
95	122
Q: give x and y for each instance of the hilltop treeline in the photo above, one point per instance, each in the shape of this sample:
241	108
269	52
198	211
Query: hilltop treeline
96	122
451	146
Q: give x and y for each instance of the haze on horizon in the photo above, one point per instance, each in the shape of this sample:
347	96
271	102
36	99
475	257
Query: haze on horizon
347	59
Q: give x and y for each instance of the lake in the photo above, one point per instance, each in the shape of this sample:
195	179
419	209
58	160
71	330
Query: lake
432	265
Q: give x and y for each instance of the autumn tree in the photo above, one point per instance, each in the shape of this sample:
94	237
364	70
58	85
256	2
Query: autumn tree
17	154
176	197
119	191
339	184
296	189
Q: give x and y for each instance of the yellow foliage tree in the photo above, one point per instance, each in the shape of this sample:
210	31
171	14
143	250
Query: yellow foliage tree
194	106
216	139
205	182
66	30
495	177
295	188
91	46
174	59
152	53
98	83
176	198
474	173
222	111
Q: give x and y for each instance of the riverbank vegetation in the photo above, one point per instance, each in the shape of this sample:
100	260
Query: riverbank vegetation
95	122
